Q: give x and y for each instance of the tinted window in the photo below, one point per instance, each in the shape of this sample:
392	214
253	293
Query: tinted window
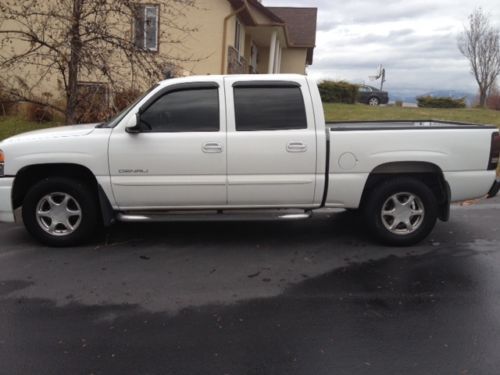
184	111
269	108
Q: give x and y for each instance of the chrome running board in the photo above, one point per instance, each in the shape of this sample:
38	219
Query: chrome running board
221	216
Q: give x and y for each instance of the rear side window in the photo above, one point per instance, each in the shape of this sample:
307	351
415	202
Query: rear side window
195	110
269	108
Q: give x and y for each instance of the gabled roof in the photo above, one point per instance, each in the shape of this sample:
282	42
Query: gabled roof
247	17
299	23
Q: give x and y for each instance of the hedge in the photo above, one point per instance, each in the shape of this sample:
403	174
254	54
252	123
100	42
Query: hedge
338	92
440	102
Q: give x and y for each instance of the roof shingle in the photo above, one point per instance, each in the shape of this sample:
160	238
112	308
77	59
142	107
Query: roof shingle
301	24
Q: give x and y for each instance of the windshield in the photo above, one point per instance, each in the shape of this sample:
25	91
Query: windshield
117	118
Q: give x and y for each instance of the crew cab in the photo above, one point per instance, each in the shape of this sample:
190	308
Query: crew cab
241	148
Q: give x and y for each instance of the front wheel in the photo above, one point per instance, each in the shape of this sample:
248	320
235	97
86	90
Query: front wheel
374	102
60	212
401	211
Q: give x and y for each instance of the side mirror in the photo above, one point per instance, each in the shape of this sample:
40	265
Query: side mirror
133	126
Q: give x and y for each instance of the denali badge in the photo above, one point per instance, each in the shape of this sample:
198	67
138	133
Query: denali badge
133	171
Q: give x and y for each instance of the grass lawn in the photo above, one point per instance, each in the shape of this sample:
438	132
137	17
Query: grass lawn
10	126
360	112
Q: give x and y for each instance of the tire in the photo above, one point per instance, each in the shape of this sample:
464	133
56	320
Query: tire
406	223
61	212
374	101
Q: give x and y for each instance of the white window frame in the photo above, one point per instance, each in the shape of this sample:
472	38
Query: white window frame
157	26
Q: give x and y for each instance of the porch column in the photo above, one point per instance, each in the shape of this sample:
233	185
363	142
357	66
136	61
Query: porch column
272	52
281	55
278	59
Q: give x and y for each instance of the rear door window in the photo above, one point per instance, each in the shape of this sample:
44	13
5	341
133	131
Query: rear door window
269	108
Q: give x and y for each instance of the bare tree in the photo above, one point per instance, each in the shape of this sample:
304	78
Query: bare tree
77	39
480	44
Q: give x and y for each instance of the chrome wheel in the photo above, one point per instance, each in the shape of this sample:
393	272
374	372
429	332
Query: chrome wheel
403	213
373	102
58	214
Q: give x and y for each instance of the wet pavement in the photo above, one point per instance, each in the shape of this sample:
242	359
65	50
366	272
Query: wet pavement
313	297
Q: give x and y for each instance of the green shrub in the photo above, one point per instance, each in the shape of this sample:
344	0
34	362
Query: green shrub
440	102
338	92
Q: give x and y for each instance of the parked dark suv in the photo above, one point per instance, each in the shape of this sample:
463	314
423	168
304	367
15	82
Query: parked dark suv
372	96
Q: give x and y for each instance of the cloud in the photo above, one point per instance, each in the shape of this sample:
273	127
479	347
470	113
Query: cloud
415	41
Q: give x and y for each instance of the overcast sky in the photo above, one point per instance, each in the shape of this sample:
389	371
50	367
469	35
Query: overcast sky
415	40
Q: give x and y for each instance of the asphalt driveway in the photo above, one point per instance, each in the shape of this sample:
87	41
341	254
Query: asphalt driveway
313	297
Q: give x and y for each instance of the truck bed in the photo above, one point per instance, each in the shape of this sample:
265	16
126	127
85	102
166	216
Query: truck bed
401	125
459	151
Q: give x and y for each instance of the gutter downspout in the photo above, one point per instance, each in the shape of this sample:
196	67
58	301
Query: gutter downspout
224	35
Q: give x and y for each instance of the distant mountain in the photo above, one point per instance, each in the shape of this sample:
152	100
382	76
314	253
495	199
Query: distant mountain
404	96
410	96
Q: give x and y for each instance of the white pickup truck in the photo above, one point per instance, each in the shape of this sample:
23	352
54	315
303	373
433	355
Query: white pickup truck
241	147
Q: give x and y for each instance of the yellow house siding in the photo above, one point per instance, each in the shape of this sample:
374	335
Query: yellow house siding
200	52
293	60
40	80
263	60
206	43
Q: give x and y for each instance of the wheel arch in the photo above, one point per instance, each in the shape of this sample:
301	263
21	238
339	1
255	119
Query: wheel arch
427	172
30	175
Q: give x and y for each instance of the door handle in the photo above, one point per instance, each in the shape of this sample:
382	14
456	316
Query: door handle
296	147
212	148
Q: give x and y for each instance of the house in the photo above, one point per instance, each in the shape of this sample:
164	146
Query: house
271	39
227	37
239	36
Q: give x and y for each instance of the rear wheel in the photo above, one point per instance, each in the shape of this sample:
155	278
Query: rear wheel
401	212
60	212
374	101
